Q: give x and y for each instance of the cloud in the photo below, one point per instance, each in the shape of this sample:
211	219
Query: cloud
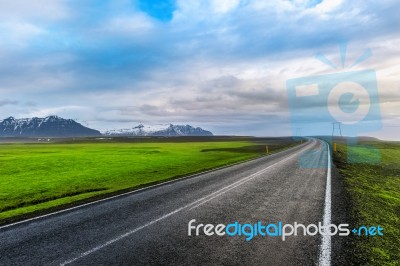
18	33
223	6
133	25
39	9
7	102
216	63
328	6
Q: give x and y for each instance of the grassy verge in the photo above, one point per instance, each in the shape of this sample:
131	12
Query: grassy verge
40	176
374	186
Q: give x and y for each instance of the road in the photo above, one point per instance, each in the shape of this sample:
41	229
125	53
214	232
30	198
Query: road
150	227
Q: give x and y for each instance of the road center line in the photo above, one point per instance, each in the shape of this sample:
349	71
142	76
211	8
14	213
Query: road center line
325	248
188	206
242	181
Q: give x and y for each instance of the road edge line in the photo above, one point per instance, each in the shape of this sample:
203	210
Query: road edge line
196	203
326	247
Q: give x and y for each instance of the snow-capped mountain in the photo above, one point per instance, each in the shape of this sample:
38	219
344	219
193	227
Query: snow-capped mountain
51	126
54	126
160	130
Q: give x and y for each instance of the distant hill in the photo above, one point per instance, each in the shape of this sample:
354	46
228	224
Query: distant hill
160	130
51	126
367	138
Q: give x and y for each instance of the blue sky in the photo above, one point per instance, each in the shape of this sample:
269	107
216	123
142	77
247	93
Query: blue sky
222	65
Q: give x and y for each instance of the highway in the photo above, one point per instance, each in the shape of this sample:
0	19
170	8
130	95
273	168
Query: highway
150	226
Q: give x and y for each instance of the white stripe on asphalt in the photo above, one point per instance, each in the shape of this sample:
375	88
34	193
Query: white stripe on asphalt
325	248
188	206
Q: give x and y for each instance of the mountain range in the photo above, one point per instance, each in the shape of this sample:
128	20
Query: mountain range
51	126
54	126
160	130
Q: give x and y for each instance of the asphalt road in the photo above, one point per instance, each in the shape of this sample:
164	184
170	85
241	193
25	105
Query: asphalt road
150	227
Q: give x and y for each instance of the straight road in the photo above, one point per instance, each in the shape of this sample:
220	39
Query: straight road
150	227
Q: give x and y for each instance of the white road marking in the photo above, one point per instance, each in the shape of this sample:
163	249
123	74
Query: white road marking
240	182
188	206
325	248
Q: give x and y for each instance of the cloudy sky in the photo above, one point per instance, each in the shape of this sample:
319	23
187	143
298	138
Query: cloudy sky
219	64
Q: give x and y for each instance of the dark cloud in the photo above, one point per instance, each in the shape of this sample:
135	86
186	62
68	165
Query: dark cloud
8	102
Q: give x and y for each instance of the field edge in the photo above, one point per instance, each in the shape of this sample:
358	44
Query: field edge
101	197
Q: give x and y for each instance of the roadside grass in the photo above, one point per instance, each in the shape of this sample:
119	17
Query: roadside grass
35	177
374	186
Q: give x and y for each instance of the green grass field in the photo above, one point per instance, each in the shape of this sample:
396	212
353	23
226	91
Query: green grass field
38	176
374	187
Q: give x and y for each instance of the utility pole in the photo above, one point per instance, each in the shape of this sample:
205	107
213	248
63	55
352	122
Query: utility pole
333	133
298	134
339	126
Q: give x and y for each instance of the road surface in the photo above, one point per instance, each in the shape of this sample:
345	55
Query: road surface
150	227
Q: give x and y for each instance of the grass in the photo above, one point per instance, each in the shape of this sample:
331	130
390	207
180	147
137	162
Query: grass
40	176
373	182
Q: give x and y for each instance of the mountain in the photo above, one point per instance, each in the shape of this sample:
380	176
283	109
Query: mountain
163	130
54	126
51	126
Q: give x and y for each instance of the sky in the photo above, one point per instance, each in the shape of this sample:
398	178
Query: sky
223	65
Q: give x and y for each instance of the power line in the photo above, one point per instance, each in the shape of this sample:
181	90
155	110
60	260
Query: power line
333	128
